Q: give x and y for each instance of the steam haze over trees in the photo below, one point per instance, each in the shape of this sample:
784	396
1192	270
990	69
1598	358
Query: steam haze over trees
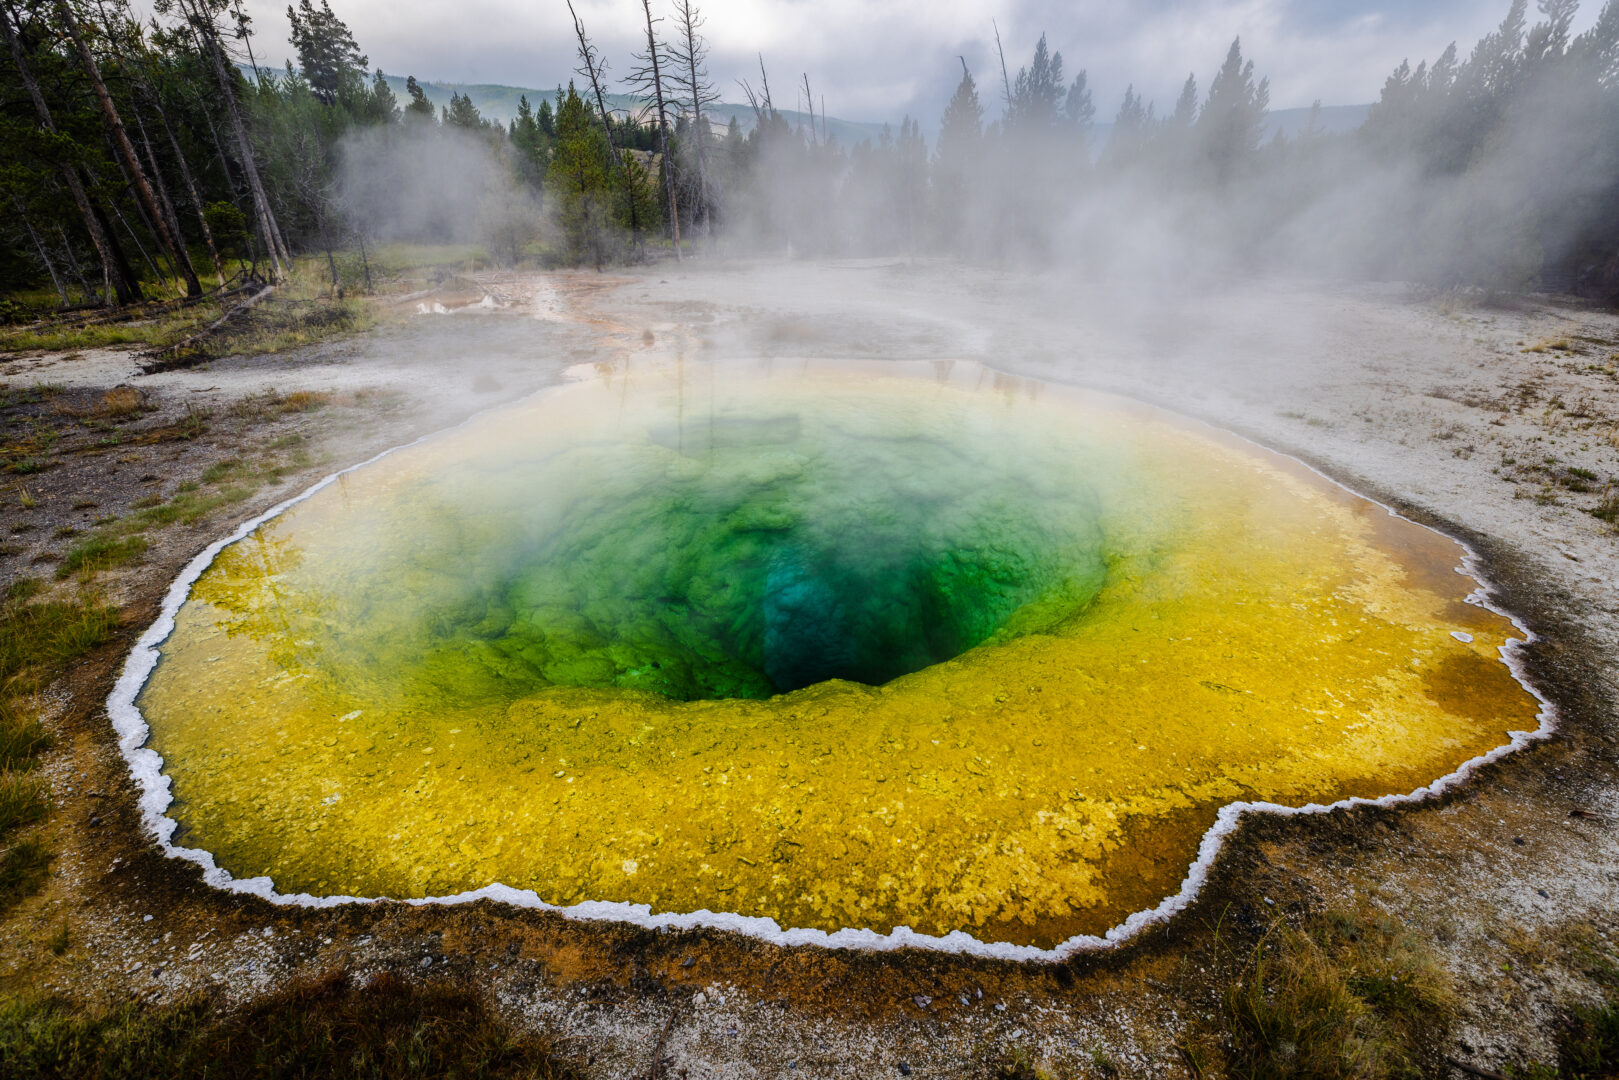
157	155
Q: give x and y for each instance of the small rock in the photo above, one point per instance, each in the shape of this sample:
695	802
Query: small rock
1544	895
688	962
922	1001
146	918
1520	841
904	1069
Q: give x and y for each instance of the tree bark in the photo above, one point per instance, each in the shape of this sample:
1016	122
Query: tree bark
119	284
126	150
120	260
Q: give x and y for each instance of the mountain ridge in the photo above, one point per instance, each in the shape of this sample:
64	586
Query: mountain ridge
498	101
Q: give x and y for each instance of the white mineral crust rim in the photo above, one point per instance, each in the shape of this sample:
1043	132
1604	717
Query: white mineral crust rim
147	767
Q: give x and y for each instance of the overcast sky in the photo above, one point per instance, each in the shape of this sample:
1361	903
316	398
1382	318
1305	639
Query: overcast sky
882	59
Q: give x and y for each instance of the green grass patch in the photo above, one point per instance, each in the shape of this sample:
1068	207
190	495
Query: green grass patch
221	470
189	507
102	551
24	588
327	1027
38	639
161	329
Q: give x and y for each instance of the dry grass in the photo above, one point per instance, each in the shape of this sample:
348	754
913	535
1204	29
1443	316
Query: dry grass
271	404
1344	996
122	401
119	403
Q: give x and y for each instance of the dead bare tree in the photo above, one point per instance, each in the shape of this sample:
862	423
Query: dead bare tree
174	245
763	108
594	69
648	79
1006	81
689	53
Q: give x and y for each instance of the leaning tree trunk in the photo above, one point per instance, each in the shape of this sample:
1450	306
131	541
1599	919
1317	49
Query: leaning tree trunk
165	203
195	199
280	258
126	150
118	284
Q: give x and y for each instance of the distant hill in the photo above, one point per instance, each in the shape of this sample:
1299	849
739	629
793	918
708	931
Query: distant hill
497	102
500	103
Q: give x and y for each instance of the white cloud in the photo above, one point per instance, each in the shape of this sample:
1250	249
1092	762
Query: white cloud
878	61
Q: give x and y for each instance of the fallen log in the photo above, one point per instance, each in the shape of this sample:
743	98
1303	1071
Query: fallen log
184	353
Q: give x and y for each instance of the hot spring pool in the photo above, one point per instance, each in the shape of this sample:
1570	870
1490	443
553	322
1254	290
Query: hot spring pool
840	646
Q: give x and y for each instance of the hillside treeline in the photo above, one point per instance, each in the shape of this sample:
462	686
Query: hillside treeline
147	158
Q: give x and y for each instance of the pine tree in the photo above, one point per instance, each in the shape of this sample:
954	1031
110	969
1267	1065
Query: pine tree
578	180
1037	92
419	109
328	57
1233	117
462	113
1078	108
1185	114
956	161
530	142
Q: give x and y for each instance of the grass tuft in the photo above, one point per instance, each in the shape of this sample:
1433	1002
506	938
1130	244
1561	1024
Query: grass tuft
101	551
1347	996
121	401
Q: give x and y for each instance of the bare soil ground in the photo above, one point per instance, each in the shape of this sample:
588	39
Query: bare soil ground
1498	424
